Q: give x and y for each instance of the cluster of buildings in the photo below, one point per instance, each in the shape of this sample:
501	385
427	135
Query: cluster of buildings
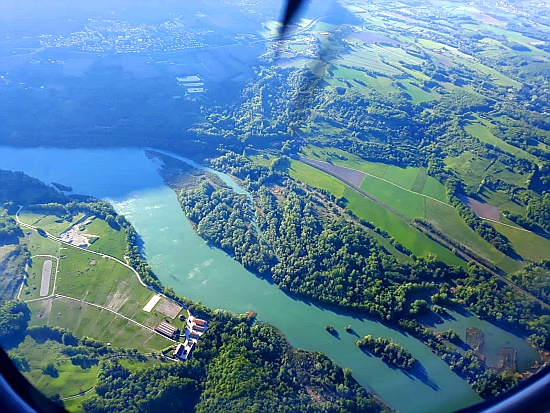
121	37
194	328
169	330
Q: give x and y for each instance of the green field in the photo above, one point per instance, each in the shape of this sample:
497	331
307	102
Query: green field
53	224
409	178
414	240
502	200
368	59
111	241
366	209
447	220
408	203
103	238
411	204
527	244
311	176
449	55
420	180
72	379
96	279
132	364
435	189
87	320
75	405
480	130
417	94
345	159
472	169
404	177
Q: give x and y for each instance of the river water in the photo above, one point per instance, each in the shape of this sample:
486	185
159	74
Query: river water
181	259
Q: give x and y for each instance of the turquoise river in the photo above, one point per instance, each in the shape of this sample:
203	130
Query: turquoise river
181	259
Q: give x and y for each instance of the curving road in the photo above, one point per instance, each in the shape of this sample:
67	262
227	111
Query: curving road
54	238
82	393
55	295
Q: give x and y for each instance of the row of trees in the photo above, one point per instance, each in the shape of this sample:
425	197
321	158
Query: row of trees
487	232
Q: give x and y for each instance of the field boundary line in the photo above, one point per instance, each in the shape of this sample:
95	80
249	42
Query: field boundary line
102	307
467	256
514	227
54	238
308	160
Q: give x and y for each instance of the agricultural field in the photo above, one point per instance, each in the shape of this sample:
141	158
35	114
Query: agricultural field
109	241
101	236
473	168
413	193
53	224
103	292
501	200
530	246
87	320
305	173
408	203
366	209
414	240
447	220
413	179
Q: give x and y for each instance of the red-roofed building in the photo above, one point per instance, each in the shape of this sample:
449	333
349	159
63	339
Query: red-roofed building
168	330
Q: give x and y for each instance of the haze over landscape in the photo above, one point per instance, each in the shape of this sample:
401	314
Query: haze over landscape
197	214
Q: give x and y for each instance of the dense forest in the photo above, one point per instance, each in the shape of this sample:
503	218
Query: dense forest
462	94
318	253
310	251
236	367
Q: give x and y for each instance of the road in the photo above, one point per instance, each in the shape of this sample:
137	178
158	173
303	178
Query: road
464	254
82	393
56	295
54	238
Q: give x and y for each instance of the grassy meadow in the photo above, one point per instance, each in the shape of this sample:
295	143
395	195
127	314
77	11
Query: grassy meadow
95	279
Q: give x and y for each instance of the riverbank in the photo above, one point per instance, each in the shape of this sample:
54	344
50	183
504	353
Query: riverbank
183	261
